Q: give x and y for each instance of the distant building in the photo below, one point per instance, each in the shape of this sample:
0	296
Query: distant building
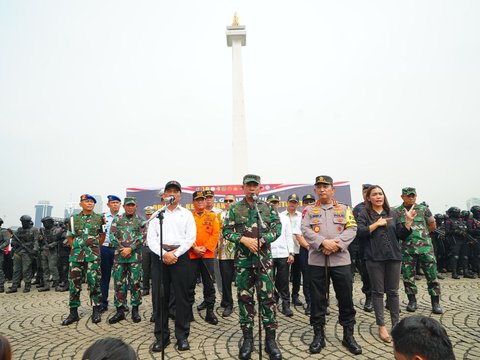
71	208
99	205
472	202
42	209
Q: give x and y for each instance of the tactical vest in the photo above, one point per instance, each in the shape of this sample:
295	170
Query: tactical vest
26	236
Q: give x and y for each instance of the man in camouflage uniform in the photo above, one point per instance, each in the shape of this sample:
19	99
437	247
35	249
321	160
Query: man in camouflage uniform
242	228
85	236
4	242
418	247
48	243
126	238
25	245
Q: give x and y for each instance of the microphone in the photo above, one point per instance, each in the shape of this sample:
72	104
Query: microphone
169	200
255	197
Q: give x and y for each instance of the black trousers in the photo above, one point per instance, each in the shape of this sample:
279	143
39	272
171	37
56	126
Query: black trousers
204	268
178	275
146	266
281	275
300	269
341	277
227	272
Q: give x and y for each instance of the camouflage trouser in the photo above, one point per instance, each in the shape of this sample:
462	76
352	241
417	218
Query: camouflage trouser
2	274
22	266
246	283
125	276
429	266
49	264
93	279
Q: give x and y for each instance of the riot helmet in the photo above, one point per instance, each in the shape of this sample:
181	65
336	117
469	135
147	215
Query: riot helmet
454	212
465	214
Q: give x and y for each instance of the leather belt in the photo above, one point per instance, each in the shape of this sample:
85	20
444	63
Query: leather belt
170	247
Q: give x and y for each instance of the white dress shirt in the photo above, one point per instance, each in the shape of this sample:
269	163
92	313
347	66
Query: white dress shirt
283	246
179	229
109	217
296	223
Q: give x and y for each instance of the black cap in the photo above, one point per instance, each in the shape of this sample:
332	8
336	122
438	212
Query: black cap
308	197
173	183
323	179
251	178
208	193
293	197
198	195
273	197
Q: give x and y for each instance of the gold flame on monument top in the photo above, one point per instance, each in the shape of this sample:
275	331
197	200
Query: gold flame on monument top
235	20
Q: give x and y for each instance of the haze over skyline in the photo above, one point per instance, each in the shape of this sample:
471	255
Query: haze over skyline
100	96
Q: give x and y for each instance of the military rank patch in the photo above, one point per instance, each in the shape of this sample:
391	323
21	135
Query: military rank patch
316	228
339	228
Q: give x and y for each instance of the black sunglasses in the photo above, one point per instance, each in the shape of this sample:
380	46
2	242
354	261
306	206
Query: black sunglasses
228	201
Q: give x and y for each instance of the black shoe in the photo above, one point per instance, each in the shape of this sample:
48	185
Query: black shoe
45	288
318	342
27	288
271	347
436	308
227	311
368	306
135	315
210	317
159	345
286	309
126	308
247	346
72	317
202	306
152	319
349	341
455	276
183	345
11	290
2	289
119	316
96	315
102	308
39	285
296	301
145	292
412	303
308	309
469	275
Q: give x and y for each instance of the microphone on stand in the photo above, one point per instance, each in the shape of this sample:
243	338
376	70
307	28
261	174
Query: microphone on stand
169	200
255	197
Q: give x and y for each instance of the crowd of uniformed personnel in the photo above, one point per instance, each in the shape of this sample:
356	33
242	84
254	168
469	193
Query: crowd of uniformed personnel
257	249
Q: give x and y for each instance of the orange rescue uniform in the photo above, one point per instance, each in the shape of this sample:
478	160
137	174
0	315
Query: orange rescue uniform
208	231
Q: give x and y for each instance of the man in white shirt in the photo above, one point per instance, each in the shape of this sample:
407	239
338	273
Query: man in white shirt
172	267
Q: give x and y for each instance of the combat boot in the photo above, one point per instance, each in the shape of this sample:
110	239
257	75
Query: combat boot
436	308
468	274
247	345
271	347
296	300
412	303
96	316
135	315
368	307
454	263
12	289
318	342
45	288
119	316
2	289
286	309
27	288
56	286
349	341
73	317
210	317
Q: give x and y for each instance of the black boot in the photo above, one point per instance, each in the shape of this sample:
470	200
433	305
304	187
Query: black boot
12	289
436	308
286	309
349	341
210	317
454	263
119	316
96	316
318	342
412	303
27	288
202	306
39	284
73	317
468	274
296	301
368	307
135	315
2	289
308	309
271	347
247	345
56	286
45	288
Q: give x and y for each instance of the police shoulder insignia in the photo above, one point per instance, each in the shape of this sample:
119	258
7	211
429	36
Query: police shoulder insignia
316	228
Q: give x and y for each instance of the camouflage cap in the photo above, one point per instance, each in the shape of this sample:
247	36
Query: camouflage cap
172	183
308	197
409	191
208	193
251	178
198	195
130	200
113	198
149	210
323	179
273	197
293	197
87	197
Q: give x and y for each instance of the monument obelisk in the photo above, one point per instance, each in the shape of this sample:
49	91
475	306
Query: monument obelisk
236	38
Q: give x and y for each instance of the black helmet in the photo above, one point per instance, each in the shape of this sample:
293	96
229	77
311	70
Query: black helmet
465	214
1	221
475	209
47	219
439	217
454	212
25	218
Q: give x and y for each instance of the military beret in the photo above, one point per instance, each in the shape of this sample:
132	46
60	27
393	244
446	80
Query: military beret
173	183
273	197
409	191
87	197
149	210
198	195
323	179
130	200
208	193
251	178
113	198
293	197
308	197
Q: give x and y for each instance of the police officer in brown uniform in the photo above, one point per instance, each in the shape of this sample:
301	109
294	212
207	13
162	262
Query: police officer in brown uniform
329	227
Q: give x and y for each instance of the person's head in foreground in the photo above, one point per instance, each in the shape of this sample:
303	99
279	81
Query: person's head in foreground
109	349
421	338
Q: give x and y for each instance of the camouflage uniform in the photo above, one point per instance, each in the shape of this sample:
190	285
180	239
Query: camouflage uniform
242	221
125	232
25	245
418	247
85	256
4	242
48	243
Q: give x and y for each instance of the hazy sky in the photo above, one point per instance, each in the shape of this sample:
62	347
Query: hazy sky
97	96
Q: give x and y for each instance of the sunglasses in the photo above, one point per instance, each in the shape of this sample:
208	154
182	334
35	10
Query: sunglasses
228	201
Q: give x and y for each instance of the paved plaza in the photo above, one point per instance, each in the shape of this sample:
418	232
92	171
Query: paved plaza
32	323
